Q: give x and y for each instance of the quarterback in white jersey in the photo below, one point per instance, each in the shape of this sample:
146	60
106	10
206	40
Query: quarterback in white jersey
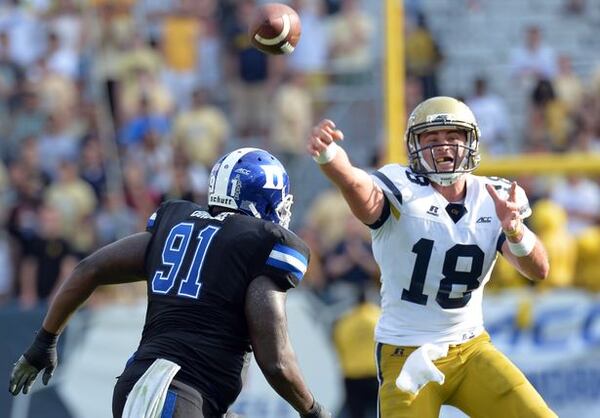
435	257
437	230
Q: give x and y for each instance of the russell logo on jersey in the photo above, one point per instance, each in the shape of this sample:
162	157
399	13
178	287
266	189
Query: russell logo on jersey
433	210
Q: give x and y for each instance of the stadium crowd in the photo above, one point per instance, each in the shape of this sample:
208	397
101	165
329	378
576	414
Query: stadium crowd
108	108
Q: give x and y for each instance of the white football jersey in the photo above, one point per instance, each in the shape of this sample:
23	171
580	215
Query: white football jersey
435	257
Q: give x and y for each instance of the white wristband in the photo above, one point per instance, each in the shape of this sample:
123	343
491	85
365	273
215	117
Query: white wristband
328	155
525	246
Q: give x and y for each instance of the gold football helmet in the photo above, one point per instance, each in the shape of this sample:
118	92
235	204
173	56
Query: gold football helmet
439	113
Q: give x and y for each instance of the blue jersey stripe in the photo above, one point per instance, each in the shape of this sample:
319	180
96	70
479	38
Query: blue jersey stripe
281	265
169	406
290	251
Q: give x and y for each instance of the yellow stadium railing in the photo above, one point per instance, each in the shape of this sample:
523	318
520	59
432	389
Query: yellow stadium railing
531	164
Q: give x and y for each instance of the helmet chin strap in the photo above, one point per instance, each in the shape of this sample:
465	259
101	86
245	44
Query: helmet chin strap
255	212
441	178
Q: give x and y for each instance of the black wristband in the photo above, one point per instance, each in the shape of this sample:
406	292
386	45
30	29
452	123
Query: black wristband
314	411
46	338
42	350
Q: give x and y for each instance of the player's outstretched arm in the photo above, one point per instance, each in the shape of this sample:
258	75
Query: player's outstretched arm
267	325
364	196
119	262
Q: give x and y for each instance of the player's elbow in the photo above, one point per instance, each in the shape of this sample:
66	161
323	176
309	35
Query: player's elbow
544	270
274	369
86	269
541	272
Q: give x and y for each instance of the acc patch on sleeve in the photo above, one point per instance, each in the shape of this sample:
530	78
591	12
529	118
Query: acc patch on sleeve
287	259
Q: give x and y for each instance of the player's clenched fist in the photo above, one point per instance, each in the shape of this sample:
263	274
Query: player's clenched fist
321	143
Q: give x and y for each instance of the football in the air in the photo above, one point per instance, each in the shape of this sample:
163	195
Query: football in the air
275	29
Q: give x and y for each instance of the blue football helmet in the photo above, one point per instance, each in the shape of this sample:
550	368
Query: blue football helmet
252	181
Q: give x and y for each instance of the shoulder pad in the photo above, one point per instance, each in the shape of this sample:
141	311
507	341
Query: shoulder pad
167	206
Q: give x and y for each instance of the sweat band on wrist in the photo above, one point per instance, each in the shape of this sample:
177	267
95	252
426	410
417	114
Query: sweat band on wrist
525	246
328	155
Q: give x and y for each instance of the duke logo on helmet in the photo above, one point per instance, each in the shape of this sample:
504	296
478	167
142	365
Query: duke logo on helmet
254	182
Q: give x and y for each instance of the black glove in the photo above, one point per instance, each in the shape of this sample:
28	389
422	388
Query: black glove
40	355
316	411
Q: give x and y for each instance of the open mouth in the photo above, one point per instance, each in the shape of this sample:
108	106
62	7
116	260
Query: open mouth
444	160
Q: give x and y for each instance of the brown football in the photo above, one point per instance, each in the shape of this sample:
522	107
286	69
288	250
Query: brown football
275	29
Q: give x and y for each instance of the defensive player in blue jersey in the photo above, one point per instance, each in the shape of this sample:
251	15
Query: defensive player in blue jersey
216	281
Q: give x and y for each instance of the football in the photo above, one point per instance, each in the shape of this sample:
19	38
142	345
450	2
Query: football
275	29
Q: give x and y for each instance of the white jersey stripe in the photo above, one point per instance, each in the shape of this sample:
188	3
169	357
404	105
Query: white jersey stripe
222	180
298	264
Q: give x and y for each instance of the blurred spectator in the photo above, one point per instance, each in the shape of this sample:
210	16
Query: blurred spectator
202	131
574	7
253	75
22	222
187	180
91	165
314	278
10	72
354	339
588	259
25	32
6	274
156	157
310	56
580	197
413	9
60	58
147	120
492	116
567	84
351	37
75	201
549	222
291	118
46	261
595	81
351	265
58	94
327	214
56	144
423	56
28	120
114	219
549	123
587	135
144	93
180	36
533	60
140	56
413	92
210	58
138	196
65	19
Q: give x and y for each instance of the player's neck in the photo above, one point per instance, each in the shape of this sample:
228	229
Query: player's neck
455	192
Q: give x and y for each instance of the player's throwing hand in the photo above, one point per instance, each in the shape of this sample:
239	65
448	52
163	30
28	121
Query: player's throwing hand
322	135
508	211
